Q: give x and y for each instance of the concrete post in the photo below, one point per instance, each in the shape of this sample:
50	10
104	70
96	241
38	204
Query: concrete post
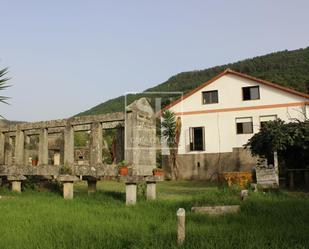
244	194
130	193
96	144
16	182
92	186
151	190
19	147
2	148
291	179
276	166
16	186
43	147
68	190
181	229
69	145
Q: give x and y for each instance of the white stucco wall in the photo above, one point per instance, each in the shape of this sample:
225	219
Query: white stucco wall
220	126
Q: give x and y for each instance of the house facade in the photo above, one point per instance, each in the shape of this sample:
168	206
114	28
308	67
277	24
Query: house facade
221	115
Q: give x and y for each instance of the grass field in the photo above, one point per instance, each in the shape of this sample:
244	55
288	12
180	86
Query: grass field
45	220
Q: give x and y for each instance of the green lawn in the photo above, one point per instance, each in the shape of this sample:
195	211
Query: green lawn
45	220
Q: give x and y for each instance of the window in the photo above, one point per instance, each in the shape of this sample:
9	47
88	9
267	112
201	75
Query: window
197	138
264	119
244	125
251	93
210	97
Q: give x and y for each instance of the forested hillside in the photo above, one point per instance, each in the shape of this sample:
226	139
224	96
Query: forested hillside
288	68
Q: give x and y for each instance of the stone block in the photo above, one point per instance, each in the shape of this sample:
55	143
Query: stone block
217	210
151	190
131	193
16	186
68	190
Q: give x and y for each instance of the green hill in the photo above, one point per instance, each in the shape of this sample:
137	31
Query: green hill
288	68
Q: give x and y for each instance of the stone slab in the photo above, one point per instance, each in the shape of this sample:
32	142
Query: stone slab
217	210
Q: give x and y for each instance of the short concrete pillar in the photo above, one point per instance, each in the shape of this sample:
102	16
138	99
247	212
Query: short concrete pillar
16	182
68	185
181	229
68	190
92	186
130	193
244	194
16	186
151	190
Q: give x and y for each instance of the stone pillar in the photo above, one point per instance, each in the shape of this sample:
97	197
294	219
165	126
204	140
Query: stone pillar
181	229
140	137
8	150
68	190
26	150
43	147
95	155
69	145
120	144
151	190
291	179
19	147
2	148
92	186
68	185
131	193
16	186
16	182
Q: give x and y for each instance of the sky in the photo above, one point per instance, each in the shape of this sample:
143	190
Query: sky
65	57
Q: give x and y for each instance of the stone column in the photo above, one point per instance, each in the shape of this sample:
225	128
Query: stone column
95	156
130	193
19	147
16	182
68	185
8	150
181	229
2	148
92	186
43	147
151	190
69	145
26	150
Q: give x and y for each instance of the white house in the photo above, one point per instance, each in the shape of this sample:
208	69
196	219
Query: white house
221	115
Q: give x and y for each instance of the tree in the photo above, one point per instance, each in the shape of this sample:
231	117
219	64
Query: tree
171	129
290	140
3	84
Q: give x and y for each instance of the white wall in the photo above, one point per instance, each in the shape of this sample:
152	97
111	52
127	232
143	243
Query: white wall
220	127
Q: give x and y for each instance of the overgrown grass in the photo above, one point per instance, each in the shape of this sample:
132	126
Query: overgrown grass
45	220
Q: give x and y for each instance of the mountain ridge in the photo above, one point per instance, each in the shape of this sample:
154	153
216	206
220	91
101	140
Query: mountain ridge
286	68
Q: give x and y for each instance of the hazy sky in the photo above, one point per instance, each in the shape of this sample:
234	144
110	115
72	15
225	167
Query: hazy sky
67	56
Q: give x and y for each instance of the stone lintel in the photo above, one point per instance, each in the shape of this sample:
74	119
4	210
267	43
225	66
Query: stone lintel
16	178
67	178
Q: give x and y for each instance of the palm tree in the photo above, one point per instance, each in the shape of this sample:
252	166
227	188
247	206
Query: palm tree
171	129
3	84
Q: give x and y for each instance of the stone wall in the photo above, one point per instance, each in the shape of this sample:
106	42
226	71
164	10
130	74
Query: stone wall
206	166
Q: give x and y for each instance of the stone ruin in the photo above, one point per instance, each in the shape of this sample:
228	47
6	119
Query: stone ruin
135	143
